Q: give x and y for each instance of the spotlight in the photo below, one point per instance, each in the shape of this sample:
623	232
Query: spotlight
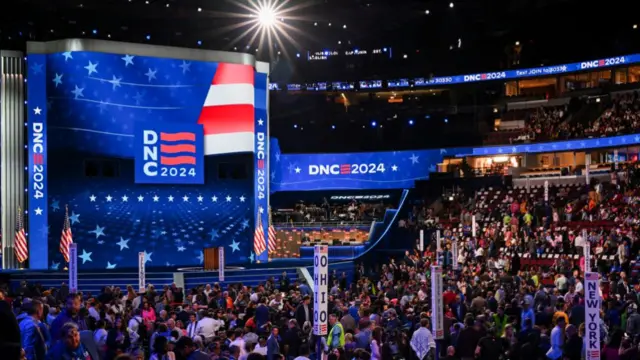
446	121
95	31
410	122
451	5
427	12
373	123
199	42
333	127
199	9
267	16
295	126
148	37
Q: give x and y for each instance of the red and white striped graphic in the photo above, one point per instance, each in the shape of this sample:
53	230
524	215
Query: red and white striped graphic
258	237
66	238
20	241
272	239
228	114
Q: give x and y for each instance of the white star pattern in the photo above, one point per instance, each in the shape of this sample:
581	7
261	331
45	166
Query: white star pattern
109	198
128	60
38	211
140	198
214	199
92	68
228	198
125	198
414	159
115	82
170	198
242	198
67	55
297	169
151	74
185	198
200	198
156	198
78	92
92	198
37	111
185	66
394	168
260	122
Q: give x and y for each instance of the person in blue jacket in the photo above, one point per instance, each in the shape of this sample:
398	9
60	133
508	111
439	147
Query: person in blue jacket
33	335
69	346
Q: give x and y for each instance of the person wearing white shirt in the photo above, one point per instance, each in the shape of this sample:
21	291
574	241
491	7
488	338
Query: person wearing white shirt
261	346
422	340
192	326
239	342
207	290
557	339
208	327
93	312
135	323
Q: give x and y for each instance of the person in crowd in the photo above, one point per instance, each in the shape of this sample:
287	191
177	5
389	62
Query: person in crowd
68	345
273	345
33	338
71	313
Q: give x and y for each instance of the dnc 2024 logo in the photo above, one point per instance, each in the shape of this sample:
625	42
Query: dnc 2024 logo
169	154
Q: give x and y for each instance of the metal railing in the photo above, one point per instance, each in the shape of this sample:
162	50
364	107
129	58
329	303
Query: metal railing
322	224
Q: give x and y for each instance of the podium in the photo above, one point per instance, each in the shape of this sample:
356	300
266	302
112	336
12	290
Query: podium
211	258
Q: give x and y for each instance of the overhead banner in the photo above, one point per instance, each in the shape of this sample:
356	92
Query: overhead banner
320	289
592	316
437	308
169	153
542	71
348	171
141	272
73	268
38	206
221	263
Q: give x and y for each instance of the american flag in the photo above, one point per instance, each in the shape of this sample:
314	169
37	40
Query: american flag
258	237
272	236
228	114
66	238
20	246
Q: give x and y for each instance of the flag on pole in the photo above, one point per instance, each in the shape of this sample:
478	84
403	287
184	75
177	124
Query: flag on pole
258	237
20	241
66	238
272	235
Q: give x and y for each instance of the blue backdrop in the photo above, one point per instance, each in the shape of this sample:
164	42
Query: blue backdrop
94	102
373	170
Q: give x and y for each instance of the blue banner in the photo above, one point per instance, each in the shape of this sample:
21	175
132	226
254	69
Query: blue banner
169	153
558	146
37	154
376	170
261	161
487	76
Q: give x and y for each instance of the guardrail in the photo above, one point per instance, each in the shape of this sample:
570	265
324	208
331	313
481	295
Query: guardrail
322	224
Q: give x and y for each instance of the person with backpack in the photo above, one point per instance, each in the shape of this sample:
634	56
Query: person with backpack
137	325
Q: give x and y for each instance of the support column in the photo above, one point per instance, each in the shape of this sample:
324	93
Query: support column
12	155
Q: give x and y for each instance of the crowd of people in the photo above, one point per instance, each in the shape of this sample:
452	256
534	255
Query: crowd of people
336	212
622	117
502	297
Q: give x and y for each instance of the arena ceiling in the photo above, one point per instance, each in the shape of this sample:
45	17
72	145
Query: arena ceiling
471	33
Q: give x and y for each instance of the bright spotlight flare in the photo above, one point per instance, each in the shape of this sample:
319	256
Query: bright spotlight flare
266	22
267	16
